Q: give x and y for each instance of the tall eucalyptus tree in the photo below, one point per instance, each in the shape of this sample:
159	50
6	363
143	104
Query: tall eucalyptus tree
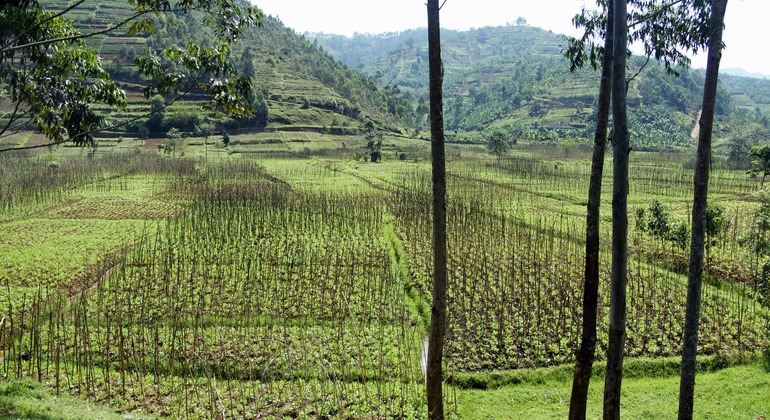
699	209
586	353
621	149
434	375
648	20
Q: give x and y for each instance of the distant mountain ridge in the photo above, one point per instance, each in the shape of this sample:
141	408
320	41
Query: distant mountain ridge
515	77
737	71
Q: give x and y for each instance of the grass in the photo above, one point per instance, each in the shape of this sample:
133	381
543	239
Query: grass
736	393
27	399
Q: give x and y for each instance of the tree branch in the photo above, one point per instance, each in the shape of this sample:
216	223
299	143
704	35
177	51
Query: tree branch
46	20
123	124
631	79
12	117
79	36
654	14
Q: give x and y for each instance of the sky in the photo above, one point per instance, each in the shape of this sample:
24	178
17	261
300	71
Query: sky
744	22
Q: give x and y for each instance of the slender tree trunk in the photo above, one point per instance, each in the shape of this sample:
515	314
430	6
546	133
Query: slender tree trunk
434	376
700	198
617	338
585	355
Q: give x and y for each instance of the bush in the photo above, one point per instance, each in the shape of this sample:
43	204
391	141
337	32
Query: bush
184	120
143	132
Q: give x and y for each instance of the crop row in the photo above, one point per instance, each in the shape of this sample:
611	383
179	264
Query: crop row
256	286
515	287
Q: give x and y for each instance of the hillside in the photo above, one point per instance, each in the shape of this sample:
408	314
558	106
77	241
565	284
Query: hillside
516	77
296	84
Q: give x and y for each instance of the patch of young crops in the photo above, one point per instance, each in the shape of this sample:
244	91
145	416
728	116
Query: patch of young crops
30	184
650	176
515	281
259	301
297	287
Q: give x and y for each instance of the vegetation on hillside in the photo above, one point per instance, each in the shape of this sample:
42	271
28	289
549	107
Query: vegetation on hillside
516	76
295	84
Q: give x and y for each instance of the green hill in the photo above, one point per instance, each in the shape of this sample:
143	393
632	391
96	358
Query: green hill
516	77
297	85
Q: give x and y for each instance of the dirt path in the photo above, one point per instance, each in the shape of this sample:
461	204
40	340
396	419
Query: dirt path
696	129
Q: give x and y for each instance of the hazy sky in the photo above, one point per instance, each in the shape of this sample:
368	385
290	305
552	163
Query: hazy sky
744	27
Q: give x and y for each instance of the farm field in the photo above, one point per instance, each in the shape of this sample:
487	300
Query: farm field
284	276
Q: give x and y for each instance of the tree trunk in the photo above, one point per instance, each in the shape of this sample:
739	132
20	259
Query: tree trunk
700	197
585	355
617	337
434	376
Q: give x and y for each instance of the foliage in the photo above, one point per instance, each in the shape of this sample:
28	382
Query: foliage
760	161
54	79
49	76
517	70
738	152
666	30
498	142
155	120
758	238
717	224
655	221
373	139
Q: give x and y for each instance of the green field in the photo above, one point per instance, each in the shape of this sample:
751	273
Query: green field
285	276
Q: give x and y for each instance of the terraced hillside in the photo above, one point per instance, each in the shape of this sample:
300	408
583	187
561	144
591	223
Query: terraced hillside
296	84
516	77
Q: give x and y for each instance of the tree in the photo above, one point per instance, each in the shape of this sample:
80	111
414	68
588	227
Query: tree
699	211
498	143
205	129
585	356
157	107
738	152
649	19
225	138
760	161
716	225
260	116
53	79
174	134
434	376
373	139
617	334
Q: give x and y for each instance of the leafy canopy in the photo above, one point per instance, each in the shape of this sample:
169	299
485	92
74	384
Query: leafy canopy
498	142
52	79
760	160
667	29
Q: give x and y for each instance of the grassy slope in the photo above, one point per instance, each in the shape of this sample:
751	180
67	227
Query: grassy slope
31	400
737	393
496	75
